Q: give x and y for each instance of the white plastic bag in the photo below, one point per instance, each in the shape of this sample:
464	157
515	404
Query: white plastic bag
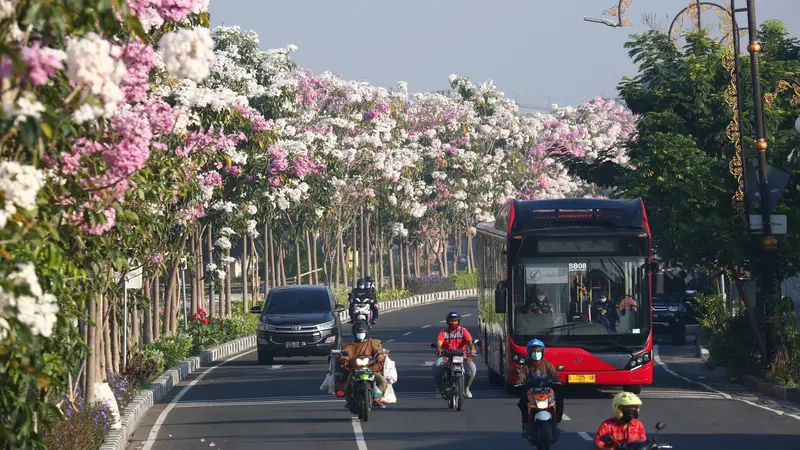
329	384
389	396
104	394
390	371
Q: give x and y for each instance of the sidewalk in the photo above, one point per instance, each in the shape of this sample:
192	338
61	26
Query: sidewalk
682	361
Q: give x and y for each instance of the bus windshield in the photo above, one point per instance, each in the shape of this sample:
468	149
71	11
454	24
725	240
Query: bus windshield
581	300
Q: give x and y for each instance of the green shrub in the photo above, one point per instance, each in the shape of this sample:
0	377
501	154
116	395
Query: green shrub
728	338
430	284
174	348
465	280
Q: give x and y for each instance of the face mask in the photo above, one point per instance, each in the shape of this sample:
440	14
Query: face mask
540	297
361	336
629	414
537	356
453	325
603	299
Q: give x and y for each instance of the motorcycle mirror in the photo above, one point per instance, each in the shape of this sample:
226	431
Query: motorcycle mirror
345	353
607	438
433	345
660	426
560	368
476	341
516	371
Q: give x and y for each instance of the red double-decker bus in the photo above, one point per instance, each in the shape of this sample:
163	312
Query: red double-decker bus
544	267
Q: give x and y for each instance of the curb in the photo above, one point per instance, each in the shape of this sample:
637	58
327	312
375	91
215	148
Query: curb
702	352
132	414
772	390
759	385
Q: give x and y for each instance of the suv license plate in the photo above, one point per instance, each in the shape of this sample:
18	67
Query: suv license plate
295	344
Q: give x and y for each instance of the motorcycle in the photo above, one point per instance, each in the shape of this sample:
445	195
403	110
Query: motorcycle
541	398
652	444
364	390
362	310
454	376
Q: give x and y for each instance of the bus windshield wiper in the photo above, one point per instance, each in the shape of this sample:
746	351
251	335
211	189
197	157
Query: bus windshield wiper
551	330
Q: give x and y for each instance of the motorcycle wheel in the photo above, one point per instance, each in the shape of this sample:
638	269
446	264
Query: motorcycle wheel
544	436
460	395
366	406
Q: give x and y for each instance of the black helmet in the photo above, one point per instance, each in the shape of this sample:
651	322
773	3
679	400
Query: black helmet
370	281
359	327
361	283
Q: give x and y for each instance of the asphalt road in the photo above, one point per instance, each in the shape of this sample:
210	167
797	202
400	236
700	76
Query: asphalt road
241	405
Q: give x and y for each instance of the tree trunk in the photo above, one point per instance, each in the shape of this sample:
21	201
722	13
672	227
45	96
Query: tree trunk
309	250
362	244
157	306
228	287
91	334
210	253
381	250
282	258
201	271
255	285
470	254
367	244
337	255
194	299
354	258
244	272
298	261
148	319
272	259
266	259
134	339
392	283
107	348
115	338
400	252
457	251
427	258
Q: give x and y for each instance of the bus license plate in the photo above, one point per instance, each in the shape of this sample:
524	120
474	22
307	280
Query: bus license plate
589	379
294	344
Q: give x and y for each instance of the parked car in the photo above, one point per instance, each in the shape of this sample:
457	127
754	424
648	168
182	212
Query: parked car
298	321
676	315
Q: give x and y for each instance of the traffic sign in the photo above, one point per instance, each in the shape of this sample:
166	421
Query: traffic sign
778	224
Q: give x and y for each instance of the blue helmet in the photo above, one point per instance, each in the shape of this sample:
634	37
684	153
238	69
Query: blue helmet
452	315
535	343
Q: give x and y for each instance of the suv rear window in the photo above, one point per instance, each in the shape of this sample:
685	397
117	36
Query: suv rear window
298	302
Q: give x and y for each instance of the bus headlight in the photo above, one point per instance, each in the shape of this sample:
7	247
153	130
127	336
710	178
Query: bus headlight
639	359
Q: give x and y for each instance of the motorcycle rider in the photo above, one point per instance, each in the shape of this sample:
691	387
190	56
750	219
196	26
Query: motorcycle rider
373	296
625	426
359	291
536	364
453	337
362	345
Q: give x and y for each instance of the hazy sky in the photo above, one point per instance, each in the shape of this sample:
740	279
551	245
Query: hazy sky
539	52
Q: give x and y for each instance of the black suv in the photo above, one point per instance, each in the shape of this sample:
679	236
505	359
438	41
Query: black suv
298	321
677	315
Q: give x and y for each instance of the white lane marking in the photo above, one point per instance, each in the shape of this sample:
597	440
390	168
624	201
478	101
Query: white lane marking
565	417
362	444
274	367
426	326
442	321
658	361
390	340
466	315
427	363
406	333
585	436
151	437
